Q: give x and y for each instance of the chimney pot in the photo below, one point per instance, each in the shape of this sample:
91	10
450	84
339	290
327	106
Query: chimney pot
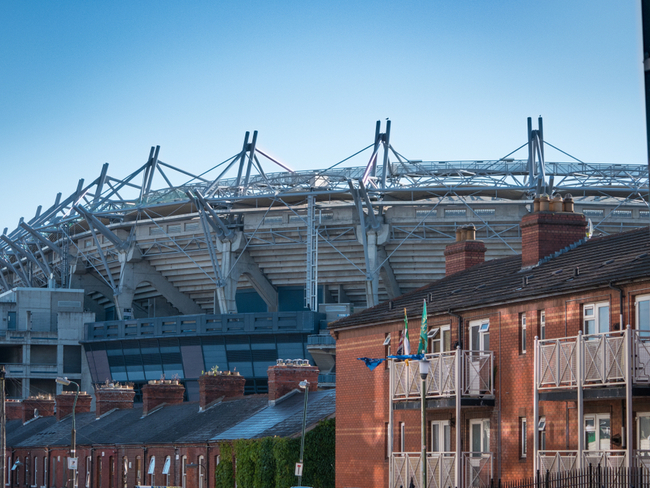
536	205
544	203
568	203
556	204
459	234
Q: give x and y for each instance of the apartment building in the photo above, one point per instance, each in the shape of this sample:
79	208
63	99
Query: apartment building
536	361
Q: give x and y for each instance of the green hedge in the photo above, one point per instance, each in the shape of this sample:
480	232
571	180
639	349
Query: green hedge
270	462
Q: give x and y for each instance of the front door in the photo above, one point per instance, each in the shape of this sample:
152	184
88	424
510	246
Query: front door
440	436
479	436
597	432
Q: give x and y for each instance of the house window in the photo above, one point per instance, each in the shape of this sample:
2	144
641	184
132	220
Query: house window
53	483
44	471
542	324
201	467
88	470
98	471
402	433
152	470
643	431
184	472
597	432
138	470
165	470
643	315
111	471
35	481
522	321
440	339
440	436
541	428
523	432
479	335
125	472
479	436
596	318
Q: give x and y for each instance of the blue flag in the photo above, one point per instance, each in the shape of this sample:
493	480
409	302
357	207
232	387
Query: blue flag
372	363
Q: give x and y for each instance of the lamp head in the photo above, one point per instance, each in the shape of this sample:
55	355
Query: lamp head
424	367
303	384
63	381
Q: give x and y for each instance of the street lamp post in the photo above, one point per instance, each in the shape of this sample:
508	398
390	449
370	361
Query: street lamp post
305	385
3	425
424	372
73	444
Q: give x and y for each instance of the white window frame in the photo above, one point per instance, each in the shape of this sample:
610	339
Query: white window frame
439	338
45	466
591	311
201	473
444	436
483	333
165	470
35	462
184	471
484	428
523	427
542	324
541	429
597	417
151	470
402	435
523	333
639	441
645	332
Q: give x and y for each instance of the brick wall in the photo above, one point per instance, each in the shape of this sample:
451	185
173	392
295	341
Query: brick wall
44	406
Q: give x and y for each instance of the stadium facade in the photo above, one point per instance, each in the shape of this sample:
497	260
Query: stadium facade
240	266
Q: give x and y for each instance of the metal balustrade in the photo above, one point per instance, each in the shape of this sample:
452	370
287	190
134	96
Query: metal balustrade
642	459
478	469
609	458
557	461
476	375
603	360
406	470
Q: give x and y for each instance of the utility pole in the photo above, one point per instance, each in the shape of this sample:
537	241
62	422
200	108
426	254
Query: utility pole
3	426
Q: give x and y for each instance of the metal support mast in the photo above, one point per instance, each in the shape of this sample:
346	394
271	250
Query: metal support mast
311	283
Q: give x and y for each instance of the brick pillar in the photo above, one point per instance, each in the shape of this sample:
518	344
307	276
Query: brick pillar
109	398
283	379
214	386
14	410
156	393
544	233
44	407
65	402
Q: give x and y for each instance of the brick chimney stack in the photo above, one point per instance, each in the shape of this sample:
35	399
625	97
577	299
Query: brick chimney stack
65	402
32	405
158	392
215	386
14	410
465	252
111	397
552	226
285	378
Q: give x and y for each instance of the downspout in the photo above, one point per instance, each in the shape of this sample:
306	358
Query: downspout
620	304
460	327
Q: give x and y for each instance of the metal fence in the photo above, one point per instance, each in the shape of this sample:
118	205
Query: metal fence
589	477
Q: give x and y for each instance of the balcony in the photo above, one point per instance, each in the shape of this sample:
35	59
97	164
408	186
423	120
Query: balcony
560	461
602	358
441	469
476	369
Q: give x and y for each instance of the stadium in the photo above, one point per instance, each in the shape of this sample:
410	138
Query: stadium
247	262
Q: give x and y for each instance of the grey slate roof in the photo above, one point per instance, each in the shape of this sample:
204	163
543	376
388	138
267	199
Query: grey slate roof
285	418
600	261
176	423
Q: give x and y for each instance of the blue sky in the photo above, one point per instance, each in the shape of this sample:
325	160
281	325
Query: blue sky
84	83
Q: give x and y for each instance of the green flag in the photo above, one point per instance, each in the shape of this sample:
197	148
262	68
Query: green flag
422	346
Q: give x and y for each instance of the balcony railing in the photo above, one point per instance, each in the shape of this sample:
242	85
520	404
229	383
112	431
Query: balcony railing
441	470
642	459
560	461
604	360
478	469
476	375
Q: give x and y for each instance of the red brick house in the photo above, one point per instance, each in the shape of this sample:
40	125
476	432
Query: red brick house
537	361
161	442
